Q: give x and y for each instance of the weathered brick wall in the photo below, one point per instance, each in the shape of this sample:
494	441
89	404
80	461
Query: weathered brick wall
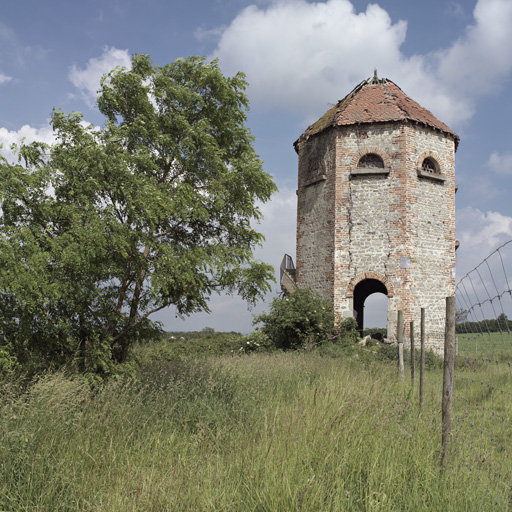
398	227
363	221
315	214
369	226
433	214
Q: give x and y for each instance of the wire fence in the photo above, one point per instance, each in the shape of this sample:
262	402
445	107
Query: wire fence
482	389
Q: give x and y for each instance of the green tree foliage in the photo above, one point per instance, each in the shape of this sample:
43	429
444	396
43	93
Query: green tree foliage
302	318
106	227
499	324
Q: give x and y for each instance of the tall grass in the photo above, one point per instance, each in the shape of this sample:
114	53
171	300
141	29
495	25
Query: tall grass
280	432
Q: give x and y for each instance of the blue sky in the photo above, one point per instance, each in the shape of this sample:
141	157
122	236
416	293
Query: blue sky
300	57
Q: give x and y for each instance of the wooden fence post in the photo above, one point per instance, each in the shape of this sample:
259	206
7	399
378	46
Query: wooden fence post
448	370
412	354
422	358
400	333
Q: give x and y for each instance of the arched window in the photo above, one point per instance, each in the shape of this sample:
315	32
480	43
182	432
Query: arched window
430	165
370	161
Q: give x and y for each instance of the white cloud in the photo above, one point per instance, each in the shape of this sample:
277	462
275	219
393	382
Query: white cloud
477	63
484	272
478	229
278	226
87	79
479	233
500	163
4	78
27	134
301	55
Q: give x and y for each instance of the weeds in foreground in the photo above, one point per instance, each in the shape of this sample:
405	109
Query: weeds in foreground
265	432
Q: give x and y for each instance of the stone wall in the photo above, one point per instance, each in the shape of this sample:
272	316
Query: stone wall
315	214
395	224
433	214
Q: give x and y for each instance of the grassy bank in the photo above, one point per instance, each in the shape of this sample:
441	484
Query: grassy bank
280	432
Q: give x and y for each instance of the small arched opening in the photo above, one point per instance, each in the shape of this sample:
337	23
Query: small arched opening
371	161
376	309
430	165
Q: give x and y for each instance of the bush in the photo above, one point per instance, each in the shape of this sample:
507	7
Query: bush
347	331
8	361
256	341
390	353
189	345
299	320
375	331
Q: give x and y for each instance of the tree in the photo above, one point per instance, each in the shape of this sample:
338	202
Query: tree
502	323
106	227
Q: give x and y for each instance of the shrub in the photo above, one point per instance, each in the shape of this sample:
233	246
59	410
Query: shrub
191	345
374	332
347	331
8	361
300	319
390	353
256	341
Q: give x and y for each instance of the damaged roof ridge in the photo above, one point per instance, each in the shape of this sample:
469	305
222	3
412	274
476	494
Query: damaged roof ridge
375	101
398	103
361	85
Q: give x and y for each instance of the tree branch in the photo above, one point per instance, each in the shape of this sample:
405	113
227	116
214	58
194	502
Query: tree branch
131	326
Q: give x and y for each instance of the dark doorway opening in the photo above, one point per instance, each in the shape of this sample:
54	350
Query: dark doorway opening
362	291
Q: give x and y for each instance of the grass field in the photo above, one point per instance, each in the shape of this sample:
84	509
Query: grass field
483	407
301	431
485	344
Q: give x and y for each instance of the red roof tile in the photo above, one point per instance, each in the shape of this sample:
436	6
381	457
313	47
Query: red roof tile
376	101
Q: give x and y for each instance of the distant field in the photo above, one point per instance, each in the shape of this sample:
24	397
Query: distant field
485	344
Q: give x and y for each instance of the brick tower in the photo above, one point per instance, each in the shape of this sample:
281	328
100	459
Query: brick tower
376	207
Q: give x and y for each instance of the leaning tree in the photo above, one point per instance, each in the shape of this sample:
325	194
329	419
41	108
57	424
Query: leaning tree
106	227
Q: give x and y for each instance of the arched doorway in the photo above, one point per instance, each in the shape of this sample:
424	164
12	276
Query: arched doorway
362	291
375	311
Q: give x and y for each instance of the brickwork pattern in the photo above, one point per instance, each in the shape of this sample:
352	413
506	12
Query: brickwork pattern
351	228
315	215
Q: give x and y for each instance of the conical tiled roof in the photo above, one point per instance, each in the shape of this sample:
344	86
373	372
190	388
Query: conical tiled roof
376	101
